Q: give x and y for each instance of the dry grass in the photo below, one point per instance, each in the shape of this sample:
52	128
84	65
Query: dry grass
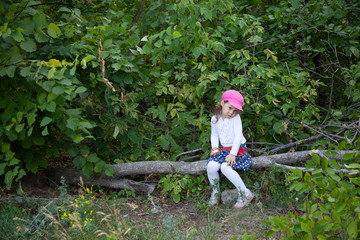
145	217
197	221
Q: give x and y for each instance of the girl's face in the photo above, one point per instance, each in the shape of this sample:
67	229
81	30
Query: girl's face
228	111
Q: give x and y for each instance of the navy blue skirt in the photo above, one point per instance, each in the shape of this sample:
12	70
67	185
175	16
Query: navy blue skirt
242	162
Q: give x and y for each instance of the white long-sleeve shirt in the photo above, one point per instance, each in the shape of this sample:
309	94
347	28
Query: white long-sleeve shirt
229	132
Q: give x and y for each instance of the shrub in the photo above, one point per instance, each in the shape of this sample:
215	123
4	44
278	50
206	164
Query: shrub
332	208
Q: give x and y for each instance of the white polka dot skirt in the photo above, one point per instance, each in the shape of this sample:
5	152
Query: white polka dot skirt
242	163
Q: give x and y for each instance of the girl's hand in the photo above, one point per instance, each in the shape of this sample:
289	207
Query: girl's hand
214	152
230	160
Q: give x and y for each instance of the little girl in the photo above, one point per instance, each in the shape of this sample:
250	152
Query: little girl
226	127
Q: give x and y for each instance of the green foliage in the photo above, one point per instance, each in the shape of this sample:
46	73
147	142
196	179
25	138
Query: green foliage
246	237
43	97
332	209
79	212
169	62
180	187
8	224
271	185
35	218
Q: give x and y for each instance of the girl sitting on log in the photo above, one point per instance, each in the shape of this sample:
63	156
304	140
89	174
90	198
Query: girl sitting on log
226	127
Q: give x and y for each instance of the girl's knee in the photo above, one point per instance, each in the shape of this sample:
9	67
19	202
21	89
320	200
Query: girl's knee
225	168
213	166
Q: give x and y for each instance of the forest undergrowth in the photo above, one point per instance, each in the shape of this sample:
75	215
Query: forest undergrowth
83	212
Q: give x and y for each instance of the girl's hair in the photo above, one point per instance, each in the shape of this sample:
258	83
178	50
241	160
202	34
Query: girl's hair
217	111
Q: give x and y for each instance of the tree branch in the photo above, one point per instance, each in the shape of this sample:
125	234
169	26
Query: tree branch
325	135
188	152
137	15
72	176
288	168
296	143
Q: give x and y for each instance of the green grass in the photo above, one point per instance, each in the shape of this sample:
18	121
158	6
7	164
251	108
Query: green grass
83	213
8	225
85	216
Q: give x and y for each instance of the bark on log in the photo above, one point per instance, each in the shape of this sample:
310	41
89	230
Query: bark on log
72	176
199	167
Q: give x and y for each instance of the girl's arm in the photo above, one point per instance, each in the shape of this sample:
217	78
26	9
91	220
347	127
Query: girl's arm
239	138
214	137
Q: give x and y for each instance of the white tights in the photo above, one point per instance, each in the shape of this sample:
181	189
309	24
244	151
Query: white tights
214	178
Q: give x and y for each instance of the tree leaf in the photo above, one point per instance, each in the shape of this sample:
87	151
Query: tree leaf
163	141
176	34
93	158
10	71
98	168
78	138
17	35
349	156
39	20
352	229
15	56
324	163
9	176
305	227
107	43
278	127
14	161
73	123
51	73
31	117
159	43
109	171
45	132
86	124
355	51
25	72
176	197
45	121
29	132
28	45
87	169
54	63
19	127
40	36
87	59
196	52
54	31
58	90
80	89
316	158
2	168
79	161
116	131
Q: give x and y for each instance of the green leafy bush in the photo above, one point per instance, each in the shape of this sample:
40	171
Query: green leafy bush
180	187
332	208
169	62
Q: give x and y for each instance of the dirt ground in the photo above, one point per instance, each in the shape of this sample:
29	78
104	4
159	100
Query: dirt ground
226	222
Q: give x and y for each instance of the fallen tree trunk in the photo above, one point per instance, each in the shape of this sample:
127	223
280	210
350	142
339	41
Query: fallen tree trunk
72	176
199	167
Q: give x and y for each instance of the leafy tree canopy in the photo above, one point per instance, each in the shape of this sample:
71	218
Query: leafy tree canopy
296	62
